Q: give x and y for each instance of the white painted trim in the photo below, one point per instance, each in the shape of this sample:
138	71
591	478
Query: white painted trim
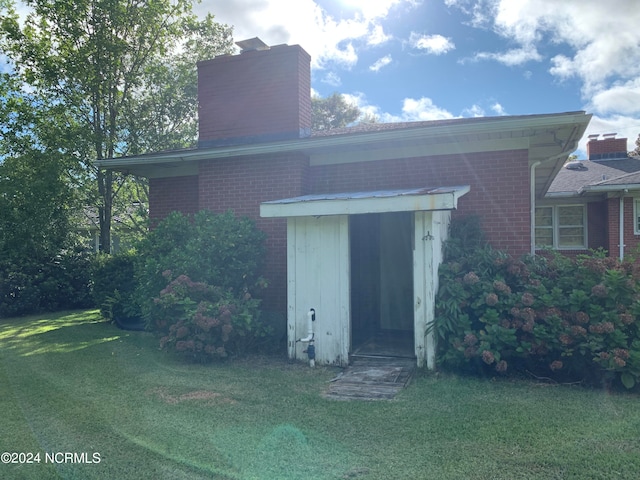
621	232
636	212
532	206
456	131
352	206
555	226
292	307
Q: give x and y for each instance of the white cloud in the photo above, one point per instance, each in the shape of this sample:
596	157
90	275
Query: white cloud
370	8
498	109
603	36
434	44
511	57
477	111
377	36
473	111
328	39
381	63
332	78
623	98
594	42
422	109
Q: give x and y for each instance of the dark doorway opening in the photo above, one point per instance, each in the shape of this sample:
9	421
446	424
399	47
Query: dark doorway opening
381	251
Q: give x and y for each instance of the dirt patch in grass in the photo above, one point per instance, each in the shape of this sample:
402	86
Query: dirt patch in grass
195	395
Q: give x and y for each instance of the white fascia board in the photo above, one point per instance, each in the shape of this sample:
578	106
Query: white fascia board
354	206
317	144
612	188
560	195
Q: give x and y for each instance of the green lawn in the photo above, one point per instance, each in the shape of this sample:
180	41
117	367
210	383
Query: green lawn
72	383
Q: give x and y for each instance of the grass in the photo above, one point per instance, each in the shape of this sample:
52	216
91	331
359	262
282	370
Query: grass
72	383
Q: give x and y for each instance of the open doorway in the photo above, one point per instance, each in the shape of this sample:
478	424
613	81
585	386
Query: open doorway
381	252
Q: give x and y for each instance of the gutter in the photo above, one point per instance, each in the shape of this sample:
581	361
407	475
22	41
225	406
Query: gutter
532	215
621	230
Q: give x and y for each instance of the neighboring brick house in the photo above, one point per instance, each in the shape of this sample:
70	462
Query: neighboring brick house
355	217
585	203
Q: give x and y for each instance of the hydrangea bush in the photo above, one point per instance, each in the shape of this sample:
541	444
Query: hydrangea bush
202	322
197	277
548	315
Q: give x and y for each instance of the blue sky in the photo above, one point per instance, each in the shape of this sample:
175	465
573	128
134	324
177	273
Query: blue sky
405	60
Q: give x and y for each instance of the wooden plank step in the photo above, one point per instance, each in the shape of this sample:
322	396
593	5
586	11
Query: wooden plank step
372	379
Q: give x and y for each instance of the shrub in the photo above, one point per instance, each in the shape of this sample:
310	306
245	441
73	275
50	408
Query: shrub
203	322
114	285
33	284
568	319
196	278
218	249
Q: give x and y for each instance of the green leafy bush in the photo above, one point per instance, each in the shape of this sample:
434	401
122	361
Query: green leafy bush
114	285
551	316
31	284
203	322
218	249
196	278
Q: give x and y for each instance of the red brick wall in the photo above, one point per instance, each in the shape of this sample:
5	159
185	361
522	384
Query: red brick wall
241	184
255	94
167	195
499	187
499	194
606	145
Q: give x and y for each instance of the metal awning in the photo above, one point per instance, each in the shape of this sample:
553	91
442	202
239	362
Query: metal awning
353	203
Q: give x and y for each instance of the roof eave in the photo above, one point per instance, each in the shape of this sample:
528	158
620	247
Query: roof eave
310	145
612	188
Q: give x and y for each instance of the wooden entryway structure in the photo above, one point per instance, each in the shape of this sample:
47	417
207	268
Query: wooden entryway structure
329	258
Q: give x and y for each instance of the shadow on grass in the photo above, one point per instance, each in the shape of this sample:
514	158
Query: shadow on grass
60	332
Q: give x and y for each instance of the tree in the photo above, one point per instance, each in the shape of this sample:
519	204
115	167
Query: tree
117	76
34	200
636	151
332	112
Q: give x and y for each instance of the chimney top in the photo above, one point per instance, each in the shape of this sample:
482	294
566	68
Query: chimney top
252	45
609	148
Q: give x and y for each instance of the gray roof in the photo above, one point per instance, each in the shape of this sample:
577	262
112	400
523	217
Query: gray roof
595	175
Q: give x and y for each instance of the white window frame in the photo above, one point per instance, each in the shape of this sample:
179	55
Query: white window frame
555	220
636	216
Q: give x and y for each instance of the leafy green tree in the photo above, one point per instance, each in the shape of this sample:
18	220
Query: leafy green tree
106	78
332	112
34	202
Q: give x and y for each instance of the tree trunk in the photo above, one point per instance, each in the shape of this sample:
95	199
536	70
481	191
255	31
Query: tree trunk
105	188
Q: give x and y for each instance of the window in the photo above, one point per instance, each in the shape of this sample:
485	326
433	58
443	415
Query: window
561	227
636	216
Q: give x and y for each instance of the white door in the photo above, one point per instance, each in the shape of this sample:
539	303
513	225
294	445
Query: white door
318	278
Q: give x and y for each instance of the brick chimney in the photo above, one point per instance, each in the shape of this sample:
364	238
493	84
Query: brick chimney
261	94
609	147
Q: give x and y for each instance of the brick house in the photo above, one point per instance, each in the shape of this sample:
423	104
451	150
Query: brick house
593	203
355	217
